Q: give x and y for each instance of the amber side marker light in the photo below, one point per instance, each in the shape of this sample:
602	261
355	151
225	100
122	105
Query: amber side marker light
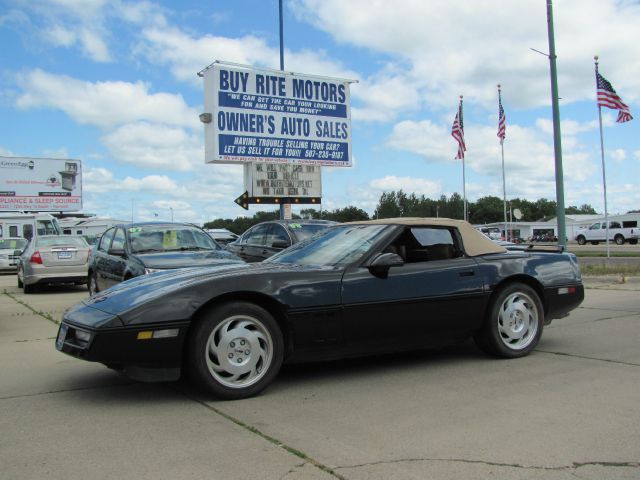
155	334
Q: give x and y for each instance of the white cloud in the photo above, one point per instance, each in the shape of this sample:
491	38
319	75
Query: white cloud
157	146
104	104
567	127
529	158
618	155
440	42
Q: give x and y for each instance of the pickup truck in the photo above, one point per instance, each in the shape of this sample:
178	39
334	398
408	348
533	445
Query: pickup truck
627	231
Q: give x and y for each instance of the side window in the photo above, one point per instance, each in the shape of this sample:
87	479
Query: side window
118	240
257	236
105	241
630	224
595	226
13	231
277	233
423	244
614	225
27	231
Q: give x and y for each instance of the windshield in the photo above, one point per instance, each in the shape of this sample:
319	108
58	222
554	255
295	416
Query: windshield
304	231
168	238
12	244
48	227
60	241
337	246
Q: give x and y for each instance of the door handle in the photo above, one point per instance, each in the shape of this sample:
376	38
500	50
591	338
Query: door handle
467	273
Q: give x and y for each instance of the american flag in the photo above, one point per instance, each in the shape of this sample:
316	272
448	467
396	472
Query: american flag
607	97
457	132
502	128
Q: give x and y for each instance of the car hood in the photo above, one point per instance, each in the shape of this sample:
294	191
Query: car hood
182	259
117	305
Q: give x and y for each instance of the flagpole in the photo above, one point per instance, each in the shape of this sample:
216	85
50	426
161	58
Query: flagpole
604	175
504	183
464	182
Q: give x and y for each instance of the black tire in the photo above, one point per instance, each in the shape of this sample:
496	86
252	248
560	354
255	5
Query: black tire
595	243
28	288
619	239
235	350
92	284
633	241
19	281
514	322
581	240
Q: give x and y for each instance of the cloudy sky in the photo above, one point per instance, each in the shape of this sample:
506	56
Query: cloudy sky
114	83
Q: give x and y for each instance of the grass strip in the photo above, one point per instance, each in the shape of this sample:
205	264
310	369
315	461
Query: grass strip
44	315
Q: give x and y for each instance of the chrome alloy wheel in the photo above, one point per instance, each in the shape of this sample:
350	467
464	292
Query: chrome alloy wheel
518	321
239	351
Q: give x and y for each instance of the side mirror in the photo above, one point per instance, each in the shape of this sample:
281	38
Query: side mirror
117	252
381	264
280	244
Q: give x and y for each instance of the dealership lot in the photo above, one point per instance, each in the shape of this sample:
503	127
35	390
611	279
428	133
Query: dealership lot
570	409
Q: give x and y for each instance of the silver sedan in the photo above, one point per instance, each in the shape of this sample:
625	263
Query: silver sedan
53	260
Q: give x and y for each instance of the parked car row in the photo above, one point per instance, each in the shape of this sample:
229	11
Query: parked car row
126	251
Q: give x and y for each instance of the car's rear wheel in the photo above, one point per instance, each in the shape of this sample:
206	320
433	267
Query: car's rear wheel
28	288
235	350
514	322
92	284
20	284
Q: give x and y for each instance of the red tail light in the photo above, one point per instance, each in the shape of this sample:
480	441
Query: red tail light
36	258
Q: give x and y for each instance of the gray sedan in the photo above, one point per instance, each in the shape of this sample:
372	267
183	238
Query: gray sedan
53	260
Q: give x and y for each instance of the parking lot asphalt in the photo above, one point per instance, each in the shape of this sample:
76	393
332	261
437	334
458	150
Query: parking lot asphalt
569	410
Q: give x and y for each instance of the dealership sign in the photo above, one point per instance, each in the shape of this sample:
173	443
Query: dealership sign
40	184
255	115
282	180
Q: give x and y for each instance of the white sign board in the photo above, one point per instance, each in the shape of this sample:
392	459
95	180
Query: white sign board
271	116
40	184
282	180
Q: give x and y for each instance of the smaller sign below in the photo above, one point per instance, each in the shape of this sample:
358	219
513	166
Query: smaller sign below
245	200
282	180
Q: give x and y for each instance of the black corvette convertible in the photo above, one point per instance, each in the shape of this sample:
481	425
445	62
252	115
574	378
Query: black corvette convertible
356	289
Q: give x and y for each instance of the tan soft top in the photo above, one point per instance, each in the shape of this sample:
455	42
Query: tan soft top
474	242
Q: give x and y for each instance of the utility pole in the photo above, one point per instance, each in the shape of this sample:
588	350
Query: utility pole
557	143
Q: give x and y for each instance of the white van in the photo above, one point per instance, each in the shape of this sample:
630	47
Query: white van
26	225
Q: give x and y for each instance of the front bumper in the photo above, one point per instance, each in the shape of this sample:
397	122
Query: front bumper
134	349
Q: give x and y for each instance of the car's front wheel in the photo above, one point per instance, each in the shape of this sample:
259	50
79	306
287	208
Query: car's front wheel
514	322
235	350
581	240
92	284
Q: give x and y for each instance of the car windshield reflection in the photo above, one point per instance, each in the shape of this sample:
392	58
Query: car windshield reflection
154	239
337	246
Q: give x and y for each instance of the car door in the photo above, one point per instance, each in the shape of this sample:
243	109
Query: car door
117	259
101	263
250	249
435	296
277	239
